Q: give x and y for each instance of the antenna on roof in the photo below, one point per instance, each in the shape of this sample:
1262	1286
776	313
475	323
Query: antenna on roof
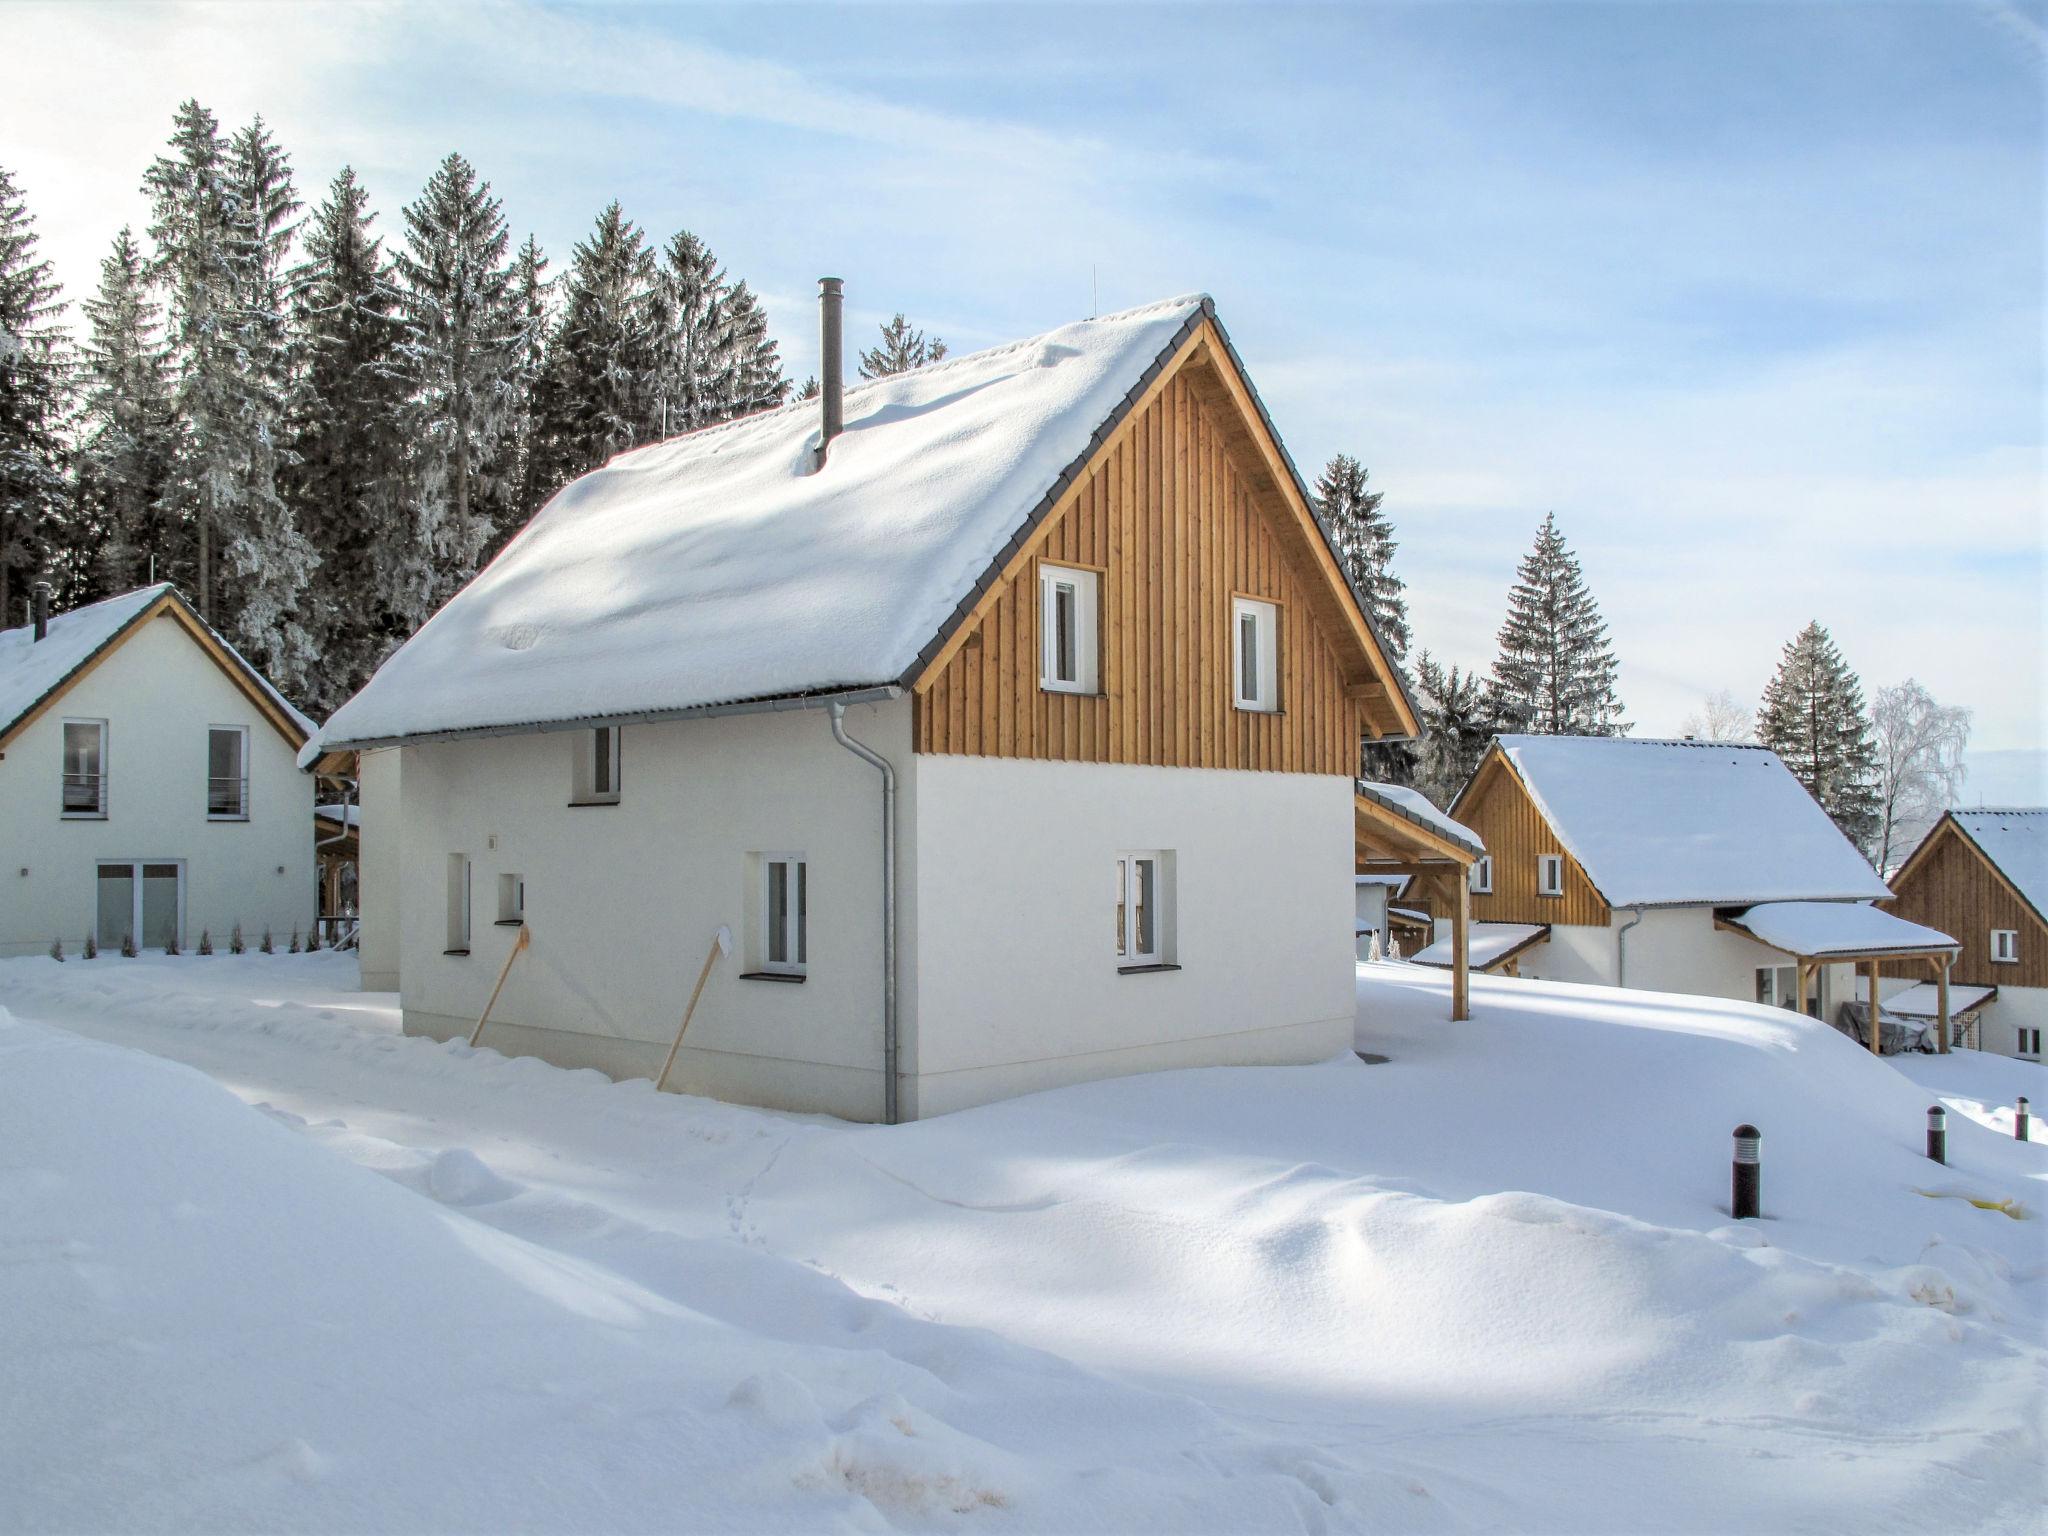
1094	293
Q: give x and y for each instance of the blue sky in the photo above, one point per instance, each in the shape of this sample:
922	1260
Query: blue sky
1750	294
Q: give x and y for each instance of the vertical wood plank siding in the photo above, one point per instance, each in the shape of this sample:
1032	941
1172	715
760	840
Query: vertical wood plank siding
1952	887
1499	809
1176	531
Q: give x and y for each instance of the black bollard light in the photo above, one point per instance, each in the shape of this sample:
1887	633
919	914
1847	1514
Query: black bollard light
1748	1173
2019	1120
1937	1134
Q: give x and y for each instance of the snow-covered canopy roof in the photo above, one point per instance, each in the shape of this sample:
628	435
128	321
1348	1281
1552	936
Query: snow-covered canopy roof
32	669
1681	823
2015	840
723	568
1922	1000
1411	806
1487	946
1838	930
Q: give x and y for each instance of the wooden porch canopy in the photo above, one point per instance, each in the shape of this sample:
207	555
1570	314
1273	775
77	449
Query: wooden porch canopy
1818	933
1400	833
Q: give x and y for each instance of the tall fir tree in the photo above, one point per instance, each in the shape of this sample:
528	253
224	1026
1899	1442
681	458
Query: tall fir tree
903	348
1457	725
35	399
1364	541
267	560
1555	672
347	480
754	380
533	299
464	339
127	432
716	358
600	390
1813	717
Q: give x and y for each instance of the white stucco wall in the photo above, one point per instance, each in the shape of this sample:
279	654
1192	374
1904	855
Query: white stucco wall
622	901
2013	1009
379	872
1017	980
159	693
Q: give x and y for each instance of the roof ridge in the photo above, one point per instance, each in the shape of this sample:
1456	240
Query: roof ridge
1999	810
154	591
1639	741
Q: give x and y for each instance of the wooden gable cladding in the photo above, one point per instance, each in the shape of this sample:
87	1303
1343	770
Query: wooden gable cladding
1177	527
1950	886
1497	806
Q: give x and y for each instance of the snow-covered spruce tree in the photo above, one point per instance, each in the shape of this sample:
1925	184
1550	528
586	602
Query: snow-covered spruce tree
267	562
903	348
347	479
1555	672
1919	746
34	404
463	343
533	299
127	433
753	378
1364	541
1812	717
600	390
1457	725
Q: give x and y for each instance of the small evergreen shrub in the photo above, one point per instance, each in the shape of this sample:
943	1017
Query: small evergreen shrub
313	938
235	944
171	948
205	941
295	942
128	946
57	950
92	948
265	944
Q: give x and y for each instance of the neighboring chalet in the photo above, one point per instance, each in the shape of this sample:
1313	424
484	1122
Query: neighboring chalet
147	784
1678	866
1983	876
1010	730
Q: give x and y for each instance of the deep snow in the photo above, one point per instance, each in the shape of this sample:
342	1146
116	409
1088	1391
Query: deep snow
1489	1285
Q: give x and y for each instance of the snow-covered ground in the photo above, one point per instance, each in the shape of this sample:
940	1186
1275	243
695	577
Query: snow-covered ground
1489	1285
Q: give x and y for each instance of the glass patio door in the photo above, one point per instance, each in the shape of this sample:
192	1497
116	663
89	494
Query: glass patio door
139	901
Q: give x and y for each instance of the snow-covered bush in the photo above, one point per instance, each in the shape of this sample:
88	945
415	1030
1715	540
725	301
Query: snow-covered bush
265	944
57	950
235	944
92	948
205	941
128	946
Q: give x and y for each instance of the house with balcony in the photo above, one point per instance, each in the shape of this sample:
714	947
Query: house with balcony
148	785
1004	713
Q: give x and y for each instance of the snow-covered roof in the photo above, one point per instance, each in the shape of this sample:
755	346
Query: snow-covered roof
1487	945
1387	880
2015	839
1411	806
346	815
1680	823
30	669
1922	1000
719	569
1839	929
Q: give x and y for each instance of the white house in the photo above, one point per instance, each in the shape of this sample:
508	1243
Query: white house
1004	710
148	787
1679	866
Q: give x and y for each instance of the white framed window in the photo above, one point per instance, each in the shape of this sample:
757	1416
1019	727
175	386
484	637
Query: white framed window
1777	986
85	769
2030	1042
783	918
140	902
227	773
2005	946
1144	909
1255	653
597	773
458	904
1482	876
512	899
1069	629
1549	874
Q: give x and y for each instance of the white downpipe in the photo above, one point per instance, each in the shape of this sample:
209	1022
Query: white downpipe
1621	946
868	755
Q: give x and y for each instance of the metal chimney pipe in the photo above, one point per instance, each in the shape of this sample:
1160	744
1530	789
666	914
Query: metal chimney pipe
831	365
42	608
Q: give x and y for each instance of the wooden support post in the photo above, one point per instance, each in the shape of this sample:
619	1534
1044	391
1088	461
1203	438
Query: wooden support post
1876	1044
1798	985
721	944
517	945
1461	948
1941	999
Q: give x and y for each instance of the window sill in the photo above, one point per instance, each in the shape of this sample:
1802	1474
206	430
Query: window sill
242	818
787	976
578	805
83	815
1256	709
1072	693
454	951
510	922
1144	970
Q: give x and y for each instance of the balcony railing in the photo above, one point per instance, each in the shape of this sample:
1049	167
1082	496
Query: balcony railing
85	794
227	799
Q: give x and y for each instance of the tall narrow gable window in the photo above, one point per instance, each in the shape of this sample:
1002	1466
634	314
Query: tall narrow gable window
1482	875
85	768
1549	874
1255	654
597	772
227	773
1069	629
2005	946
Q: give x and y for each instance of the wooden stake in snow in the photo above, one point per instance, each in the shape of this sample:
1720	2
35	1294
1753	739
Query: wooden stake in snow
517	945
721	944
